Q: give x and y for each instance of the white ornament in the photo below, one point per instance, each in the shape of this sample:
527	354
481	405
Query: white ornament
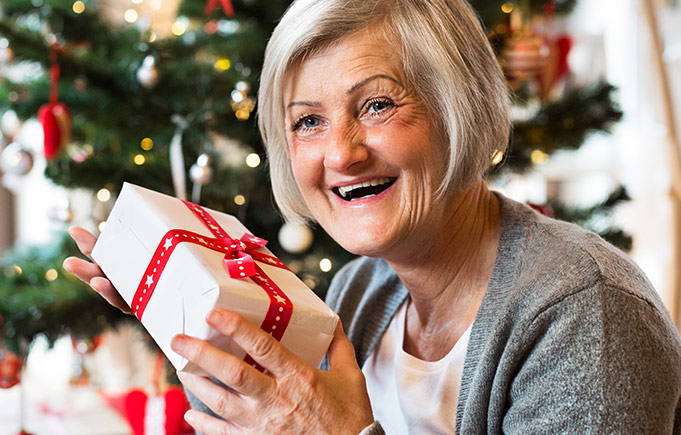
10	123
16	160
295	237
6	53
147	75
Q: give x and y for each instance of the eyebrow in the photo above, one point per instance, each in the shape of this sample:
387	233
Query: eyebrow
350	91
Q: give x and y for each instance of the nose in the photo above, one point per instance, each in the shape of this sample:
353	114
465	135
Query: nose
346	148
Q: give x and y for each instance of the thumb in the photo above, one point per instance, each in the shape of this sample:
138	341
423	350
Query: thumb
341	351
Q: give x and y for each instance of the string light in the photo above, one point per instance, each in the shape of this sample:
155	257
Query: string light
78	7
497	157
222	64
51	275
147	144
178	28
103	195
507	7
139	159
101	226
325	265
242	115
538	157
240	200
252	160
137	2
152	37
130	16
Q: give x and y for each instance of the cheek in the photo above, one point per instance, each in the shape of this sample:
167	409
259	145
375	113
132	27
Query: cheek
306	163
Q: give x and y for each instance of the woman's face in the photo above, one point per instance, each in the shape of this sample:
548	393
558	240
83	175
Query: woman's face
364	150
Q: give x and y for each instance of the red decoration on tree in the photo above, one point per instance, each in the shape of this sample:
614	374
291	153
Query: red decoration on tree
557	65
226	6
10	369
54	116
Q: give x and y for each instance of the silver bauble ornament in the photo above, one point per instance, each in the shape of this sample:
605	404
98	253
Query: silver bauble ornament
147	75
295	237
16	160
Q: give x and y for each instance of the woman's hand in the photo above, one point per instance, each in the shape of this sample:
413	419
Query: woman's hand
90	273
291	397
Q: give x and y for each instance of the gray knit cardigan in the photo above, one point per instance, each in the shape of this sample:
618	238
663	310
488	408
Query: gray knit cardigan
570	338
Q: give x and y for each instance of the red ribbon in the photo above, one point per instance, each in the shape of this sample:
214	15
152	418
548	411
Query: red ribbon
239	263
226	6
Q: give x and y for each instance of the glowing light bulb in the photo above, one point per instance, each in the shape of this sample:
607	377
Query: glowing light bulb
130	16
538	157
507	7
178	28
78	7
101	226
103	195
253	160
51	275
222	64
147	144
139	159
325	265
242	115
18	269
240	200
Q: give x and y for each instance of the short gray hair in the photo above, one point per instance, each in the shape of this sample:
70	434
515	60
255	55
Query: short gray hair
448	62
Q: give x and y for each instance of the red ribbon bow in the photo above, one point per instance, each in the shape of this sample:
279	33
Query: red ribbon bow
239	259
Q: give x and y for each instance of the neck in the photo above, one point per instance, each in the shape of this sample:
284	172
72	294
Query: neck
449	266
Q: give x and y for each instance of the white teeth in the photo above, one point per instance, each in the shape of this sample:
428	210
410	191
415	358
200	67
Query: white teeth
344	190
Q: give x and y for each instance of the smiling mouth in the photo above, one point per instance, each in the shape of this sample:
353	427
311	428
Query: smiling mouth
365	189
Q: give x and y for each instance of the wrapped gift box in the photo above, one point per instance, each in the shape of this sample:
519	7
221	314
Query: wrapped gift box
166	257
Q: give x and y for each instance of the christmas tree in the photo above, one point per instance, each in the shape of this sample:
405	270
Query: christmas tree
174	111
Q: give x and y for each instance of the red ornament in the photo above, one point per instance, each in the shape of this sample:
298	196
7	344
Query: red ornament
54	116
557	65
10	369
164	413
226	6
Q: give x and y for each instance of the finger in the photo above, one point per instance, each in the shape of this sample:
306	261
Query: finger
207	424
227	404
104	287
225	367
261	346
341	352
84	270
84	240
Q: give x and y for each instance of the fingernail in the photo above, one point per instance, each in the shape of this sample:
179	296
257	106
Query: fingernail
214	316
179	342
189	417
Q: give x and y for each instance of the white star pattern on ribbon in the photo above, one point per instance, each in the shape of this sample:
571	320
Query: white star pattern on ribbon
150	280
271	260
279	299
254	239
168	243
202	240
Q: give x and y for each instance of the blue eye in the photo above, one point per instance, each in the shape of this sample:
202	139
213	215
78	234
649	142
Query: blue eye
307	122
380	105
310	122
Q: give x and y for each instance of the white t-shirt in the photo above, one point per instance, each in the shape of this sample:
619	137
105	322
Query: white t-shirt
409	395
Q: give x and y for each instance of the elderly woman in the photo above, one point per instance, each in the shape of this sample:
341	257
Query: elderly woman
467	312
